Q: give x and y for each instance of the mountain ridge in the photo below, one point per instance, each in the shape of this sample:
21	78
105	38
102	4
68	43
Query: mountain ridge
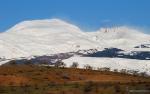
54	37
37	37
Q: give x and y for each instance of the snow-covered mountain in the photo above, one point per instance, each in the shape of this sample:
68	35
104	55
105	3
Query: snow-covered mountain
53	36
40	37
121	37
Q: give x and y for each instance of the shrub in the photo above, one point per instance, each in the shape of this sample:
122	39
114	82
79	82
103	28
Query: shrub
117	88
88	67
60	64
123	71
115	70
74	65
143	74
104	69
88	87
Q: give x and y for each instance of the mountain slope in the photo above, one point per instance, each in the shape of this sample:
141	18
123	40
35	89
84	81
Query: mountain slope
121	37
41	37
112	63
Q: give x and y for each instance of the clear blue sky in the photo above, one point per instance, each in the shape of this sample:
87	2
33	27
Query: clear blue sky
87	14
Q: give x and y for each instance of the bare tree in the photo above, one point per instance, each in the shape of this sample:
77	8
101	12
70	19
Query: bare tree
88	67
115	70
74	65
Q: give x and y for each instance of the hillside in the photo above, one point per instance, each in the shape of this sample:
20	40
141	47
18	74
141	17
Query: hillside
41	37
31	79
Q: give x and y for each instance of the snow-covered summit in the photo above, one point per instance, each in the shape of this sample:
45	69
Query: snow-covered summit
40	37
38	27
122	32
123	37
49	36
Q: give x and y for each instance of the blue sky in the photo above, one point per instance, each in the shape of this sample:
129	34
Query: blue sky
87	14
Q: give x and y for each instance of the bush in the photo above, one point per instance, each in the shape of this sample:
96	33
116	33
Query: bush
115	70
88	87
60	64
74	65
104	69
143	74
123	71
88	67
117	88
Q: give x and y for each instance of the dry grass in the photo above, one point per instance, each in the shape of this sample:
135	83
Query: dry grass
48	80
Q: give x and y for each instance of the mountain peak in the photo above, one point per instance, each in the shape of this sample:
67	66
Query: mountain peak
115	29
42	24
122	30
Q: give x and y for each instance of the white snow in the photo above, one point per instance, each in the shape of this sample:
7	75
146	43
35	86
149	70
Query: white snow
113	63
122	37
50	36
40	37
